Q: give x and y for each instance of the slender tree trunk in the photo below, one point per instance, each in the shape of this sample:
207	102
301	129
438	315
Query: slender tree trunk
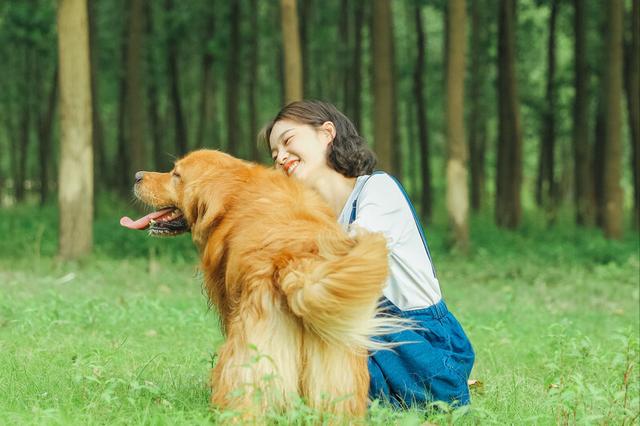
598	156
233	81
45	130
181	138
305	15
477	125
509	173
633	105
123	168
613	202
75	195
135	89
345	56
457	174
356	73
101	171
421	112
546	195
254	81
583	194
207	94
25	127
156	126
292	56
383	90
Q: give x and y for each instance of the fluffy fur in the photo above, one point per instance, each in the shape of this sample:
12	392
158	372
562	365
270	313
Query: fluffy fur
296	295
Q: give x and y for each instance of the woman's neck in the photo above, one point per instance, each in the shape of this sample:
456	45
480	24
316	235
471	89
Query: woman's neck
334	188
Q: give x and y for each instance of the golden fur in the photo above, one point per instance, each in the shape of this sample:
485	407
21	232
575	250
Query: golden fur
296	295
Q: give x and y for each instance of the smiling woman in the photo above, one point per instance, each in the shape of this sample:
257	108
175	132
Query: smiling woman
316	144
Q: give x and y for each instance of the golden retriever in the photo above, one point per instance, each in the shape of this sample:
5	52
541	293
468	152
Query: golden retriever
295	294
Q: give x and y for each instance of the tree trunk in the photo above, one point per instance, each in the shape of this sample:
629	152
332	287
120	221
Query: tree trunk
45	130
345	56
123	178
509	174
254	65
477	125
421	112
613	211
206	116
233	81
181	138
135	89
75	195
633	105
25	127
383	90
156	125
546	195
598	156
101	171
583	194
292	56
457	174
356	73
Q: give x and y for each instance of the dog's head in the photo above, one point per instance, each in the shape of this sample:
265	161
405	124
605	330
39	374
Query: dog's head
188	198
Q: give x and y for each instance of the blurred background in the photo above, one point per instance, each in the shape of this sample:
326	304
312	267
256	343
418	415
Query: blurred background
536	99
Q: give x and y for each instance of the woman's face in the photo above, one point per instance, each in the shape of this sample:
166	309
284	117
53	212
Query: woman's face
300	150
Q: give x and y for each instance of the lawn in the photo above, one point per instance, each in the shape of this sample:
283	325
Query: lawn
126	336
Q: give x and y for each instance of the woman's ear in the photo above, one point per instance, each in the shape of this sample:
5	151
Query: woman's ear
329	129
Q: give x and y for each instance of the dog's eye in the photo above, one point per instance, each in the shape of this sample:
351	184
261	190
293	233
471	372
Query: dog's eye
175	175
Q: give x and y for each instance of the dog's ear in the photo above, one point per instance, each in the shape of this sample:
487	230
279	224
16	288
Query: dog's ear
204	205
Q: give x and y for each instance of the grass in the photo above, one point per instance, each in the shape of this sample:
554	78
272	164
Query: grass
125	336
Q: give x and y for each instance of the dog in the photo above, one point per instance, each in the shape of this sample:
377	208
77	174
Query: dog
296	296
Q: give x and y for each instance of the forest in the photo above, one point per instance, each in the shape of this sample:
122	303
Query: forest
536	99
512	124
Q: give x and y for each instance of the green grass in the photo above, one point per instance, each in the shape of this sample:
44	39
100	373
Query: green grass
126	337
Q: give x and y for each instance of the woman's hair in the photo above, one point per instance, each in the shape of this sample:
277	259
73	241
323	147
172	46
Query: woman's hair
348	154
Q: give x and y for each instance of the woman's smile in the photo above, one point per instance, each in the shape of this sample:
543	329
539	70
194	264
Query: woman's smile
290	166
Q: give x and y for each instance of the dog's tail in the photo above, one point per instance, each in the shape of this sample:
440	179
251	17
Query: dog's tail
336	293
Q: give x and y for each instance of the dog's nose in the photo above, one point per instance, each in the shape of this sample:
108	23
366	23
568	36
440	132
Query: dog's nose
139	176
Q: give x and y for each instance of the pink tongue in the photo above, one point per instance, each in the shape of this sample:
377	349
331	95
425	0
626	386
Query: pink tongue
143	222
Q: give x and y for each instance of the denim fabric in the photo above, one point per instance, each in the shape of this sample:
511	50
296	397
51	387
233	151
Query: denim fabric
433	363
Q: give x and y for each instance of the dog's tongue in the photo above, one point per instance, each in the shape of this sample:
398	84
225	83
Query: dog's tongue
143	222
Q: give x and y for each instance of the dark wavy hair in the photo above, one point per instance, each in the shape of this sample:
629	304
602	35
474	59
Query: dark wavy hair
348	154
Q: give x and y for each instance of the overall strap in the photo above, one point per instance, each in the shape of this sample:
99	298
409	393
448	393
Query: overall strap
354	209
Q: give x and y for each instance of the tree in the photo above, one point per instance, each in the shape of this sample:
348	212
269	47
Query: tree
180	136
233	80
383	89
421	113
75	196
99	152
477	121
457	175
207	88
156	126
135	89
45	133
633	104
292	56
583	177
254	64
612	208
546	195
356	71
509	174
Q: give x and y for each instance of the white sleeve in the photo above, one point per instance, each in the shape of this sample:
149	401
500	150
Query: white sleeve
379	208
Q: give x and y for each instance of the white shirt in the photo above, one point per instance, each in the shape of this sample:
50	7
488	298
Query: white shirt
382	207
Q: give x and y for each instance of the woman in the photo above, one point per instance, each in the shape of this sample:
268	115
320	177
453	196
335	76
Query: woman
315	143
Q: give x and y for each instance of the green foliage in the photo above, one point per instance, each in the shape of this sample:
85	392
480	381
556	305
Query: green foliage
126	337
